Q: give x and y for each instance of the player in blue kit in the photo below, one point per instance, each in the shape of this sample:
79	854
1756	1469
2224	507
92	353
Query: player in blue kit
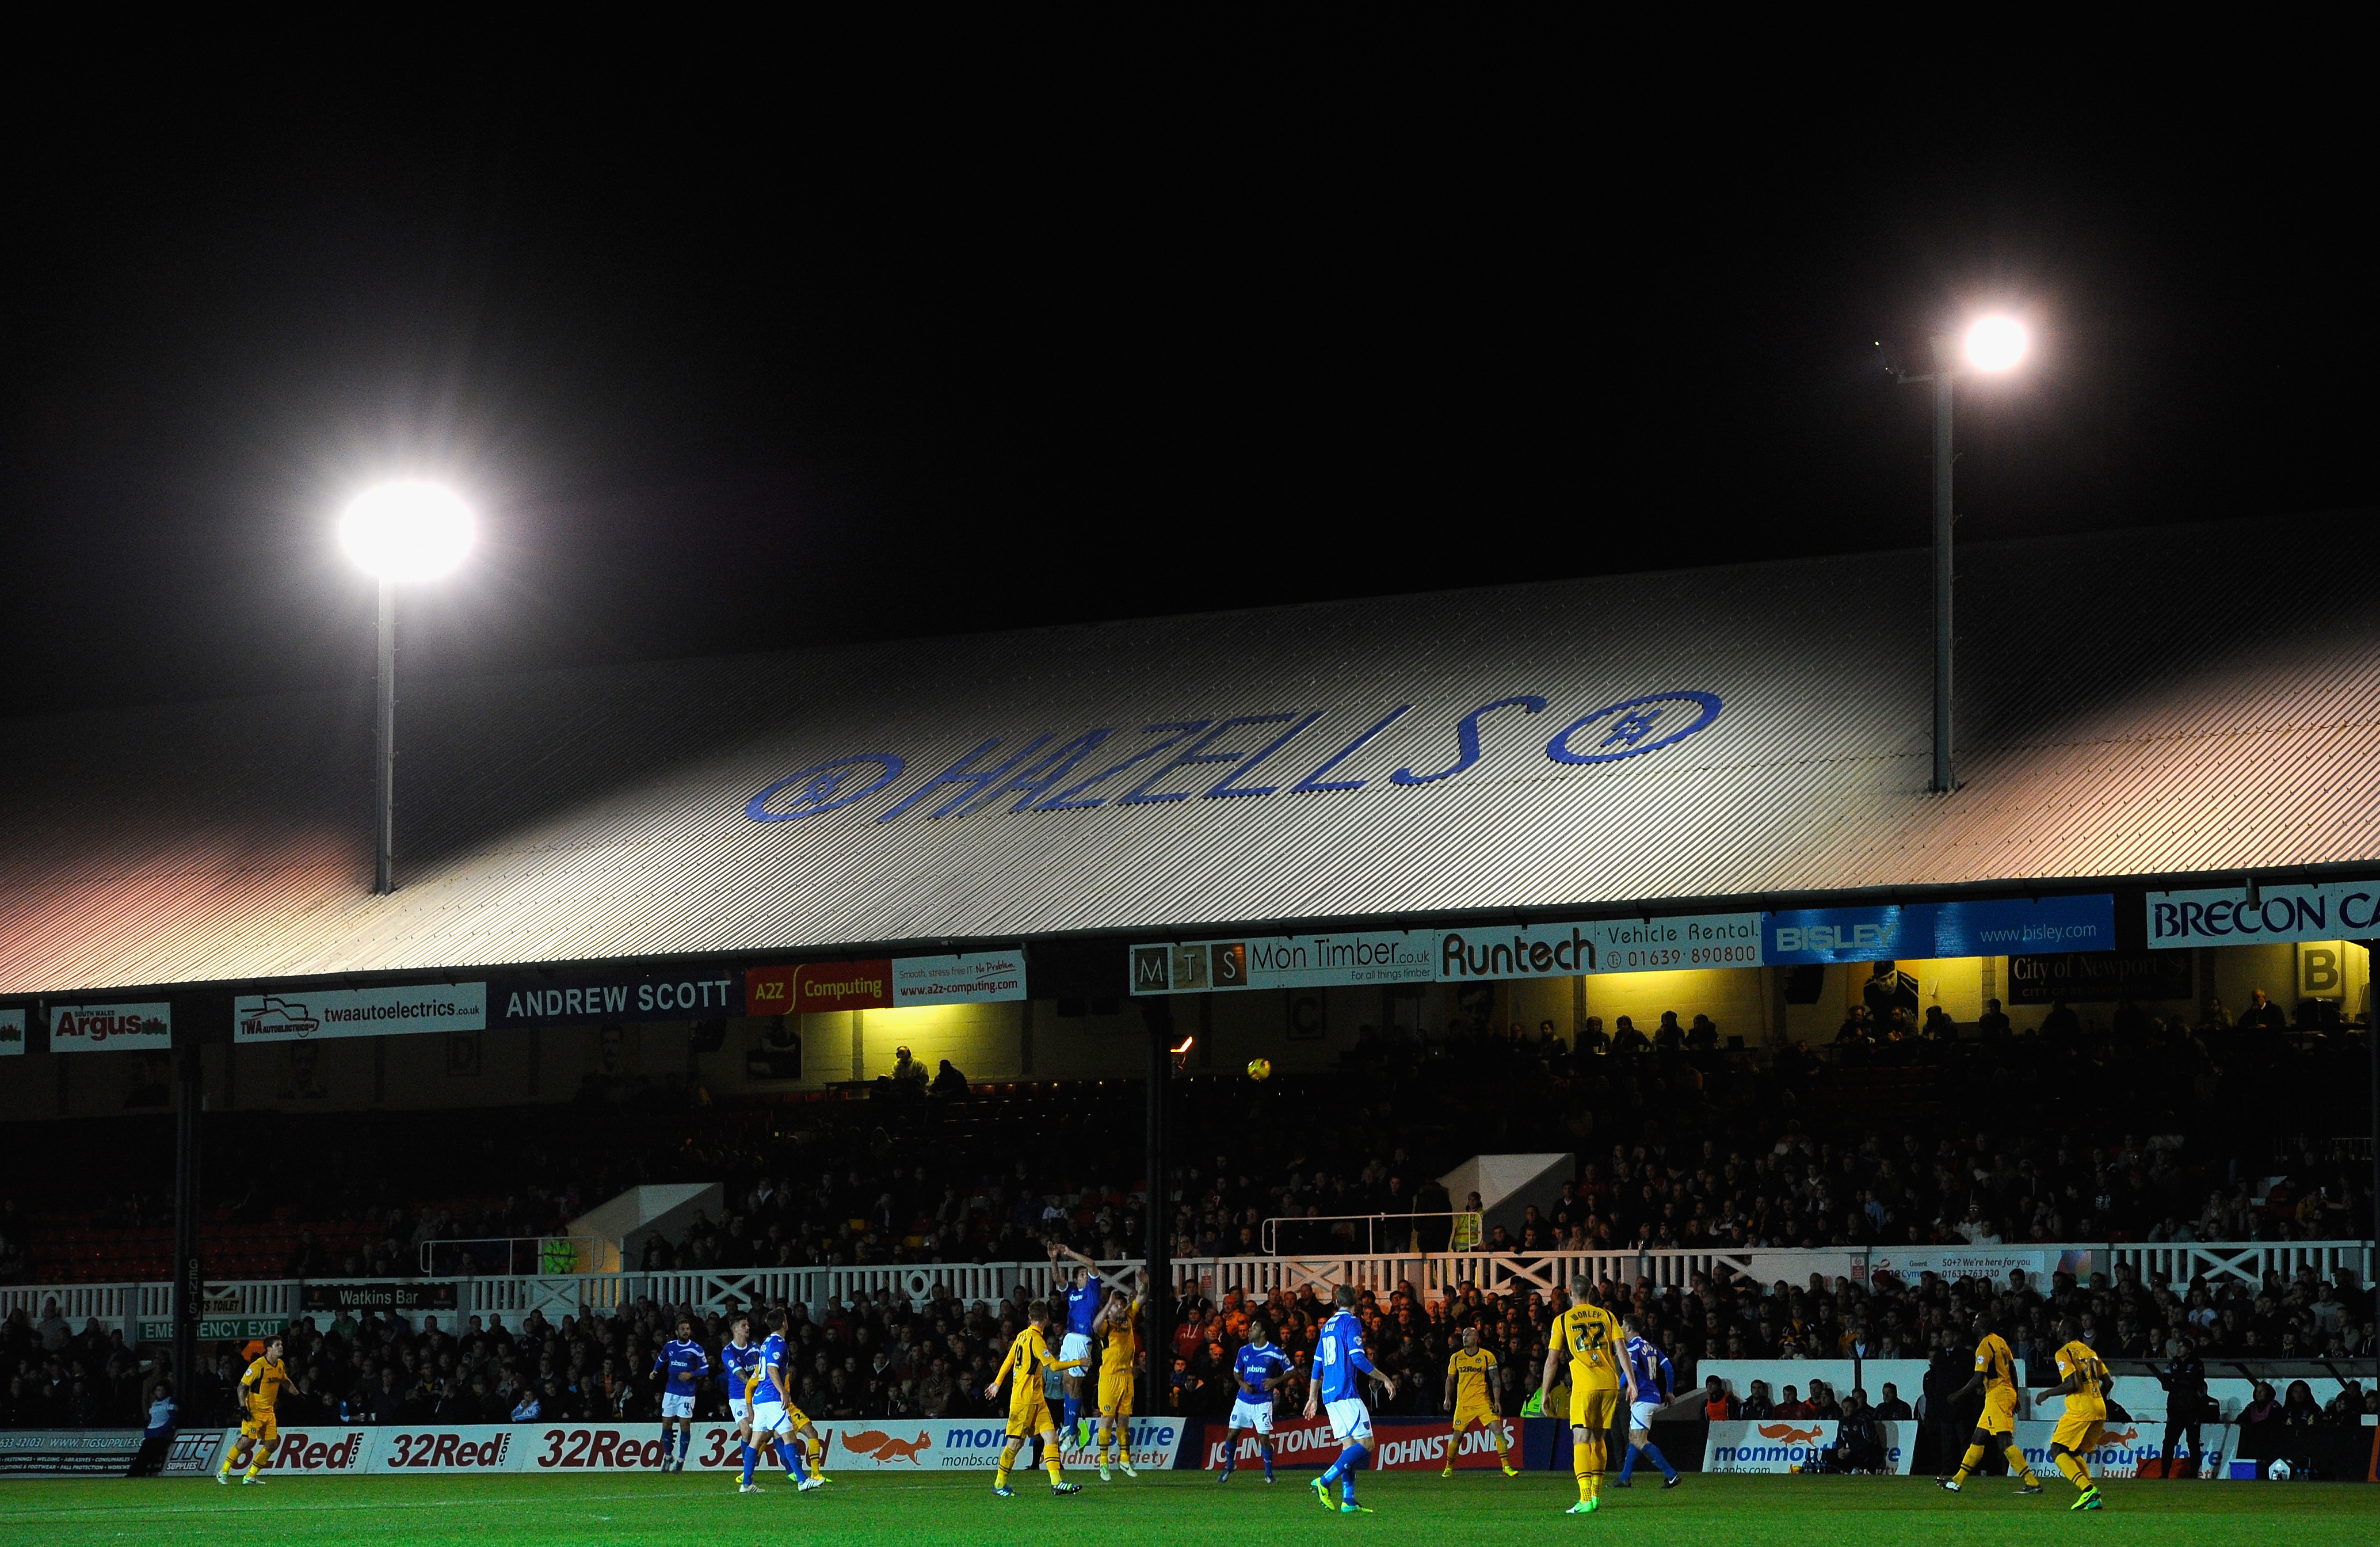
685	1362
1085	1297
1339	1364
1651	1368
774	1417
739	1365
1259	1370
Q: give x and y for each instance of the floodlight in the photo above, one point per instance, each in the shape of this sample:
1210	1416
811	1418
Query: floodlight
1996	343
407	531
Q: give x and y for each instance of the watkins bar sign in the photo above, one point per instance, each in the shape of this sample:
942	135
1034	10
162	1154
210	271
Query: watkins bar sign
1297	751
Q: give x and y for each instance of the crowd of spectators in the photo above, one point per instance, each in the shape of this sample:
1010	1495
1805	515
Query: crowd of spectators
59	1377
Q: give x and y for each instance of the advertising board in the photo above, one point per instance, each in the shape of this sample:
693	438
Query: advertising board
978	977
67	1452
112	1028
1790	1445
565	1449
318	1015
567	999
12	1032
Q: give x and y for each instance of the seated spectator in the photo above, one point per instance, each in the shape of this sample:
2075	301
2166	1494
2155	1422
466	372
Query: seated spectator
1717	1403
949	1084
1893	1410
1756	1405
1627	1041
1993	1024
1792	1406
2262	1015
907	1073
1591	1043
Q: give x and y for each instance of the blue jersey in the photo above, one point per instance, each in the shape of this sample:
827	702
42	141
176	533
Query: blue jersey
1651	1368
1338	1355
684	1362
1255	1367
772	1355
1083	1304
741	1365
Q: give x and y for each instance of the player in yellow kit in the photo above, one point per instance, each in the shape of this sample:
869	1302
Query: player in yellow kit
260	1389
1029	1409
2085	1390
1995	1373
1120	1351
1598	1375
1474	1389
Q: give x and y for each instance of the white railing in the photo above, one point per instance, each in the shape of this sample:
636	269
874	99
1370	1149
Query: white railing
129	1305
1299	1234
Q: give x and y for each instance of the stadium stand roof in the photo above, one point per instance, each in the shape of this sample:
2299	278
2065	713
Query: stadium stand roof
2187	701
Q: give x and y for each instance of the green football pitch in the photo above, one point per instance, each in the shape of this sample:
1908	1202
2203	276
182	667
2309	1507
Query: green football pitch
1184	1508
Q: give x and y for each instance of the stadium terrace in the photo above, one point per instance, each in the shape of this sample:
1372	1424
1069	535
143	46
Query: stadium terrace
1448	948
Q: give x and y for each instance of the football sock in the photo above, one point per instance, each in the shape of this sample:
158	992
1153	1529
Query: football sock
229	1456
1659	1460
2022	1468
1230	1454
1330	1473
1967	1464
1628	1463
1007	1460
255	1459
1503	1446
684	1438
1266	1451
750	1455
791	1454
1349	1460
2072	1468
1073	1416
817	1456
1582	1465
1052	1458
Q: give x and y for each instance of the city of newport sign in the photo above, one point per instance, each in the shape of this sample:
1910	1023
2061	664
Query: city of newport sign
1235	756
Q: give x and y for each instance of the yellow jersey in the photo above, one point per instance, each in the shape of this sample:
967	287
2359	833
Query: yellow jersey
1592	1336
1122	1346
267	1376
1470	1371
2089	1396
1996	1364
1027	1357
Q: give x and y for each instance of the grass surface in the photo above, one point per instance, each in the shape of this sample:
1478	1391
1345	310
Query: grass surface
1184	1508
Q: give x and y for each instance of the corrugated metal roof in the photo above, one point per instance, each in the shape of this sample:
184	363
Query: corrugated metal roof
2200	699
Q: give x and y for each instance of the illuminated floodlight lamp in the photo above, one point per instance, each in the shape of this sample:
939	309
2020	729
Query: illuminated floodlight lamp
407	531
1996	343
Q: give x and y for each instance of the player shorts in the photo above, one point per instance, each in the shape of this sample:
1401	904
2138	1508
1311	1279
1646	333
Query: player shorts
1255	1415
1999	1411
1350	1420
677	1404
1029	1418
1075	1347
1593	1407
738	1409
2078	1432
1115	1393
1640	1415
775	1418
259	1427
1470	1413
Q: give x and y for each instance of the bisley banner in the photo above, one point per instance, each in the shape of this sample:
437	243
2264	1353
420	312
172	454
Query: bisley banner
317	1015
111	1028
2224	916
1899	932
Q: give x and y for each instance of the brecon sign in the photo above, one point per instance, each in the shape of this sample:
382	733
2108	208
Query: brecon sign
2228	916
1232	757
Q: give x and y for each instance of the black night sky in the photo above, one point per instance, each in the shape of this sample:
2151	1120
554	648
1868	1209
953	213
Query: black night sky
877	346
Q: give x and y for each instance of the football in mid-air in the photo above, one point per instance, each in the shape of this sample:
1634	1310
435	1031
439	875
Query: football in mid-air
1259	1068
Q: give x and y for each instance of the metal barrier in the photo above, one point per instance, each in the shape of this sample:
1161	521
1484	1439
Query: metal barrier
1368	1235
129	1305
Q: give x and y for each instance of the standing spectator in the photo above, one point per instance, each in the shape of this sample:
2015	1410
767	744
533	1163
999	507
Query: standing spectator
2184	1380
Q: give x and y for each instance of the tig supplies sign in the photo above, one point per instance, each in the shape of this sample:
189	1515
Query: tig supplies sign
12	1032
112	1028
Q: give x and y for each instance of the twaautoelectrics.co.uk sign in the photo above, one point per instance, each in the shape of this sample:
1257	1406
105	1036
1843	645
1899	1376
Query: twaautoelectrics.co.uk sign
1291	752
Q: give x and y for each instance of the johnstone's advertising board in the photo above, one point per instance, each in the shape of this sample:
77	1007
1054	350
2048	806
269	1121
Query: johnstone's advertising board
1476	953
316	1014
